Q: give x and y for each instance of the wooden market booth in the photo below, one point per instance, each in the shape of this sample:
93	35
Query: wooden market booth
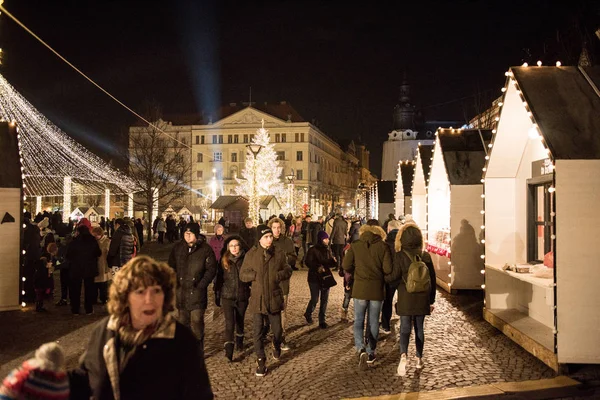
542	188
419	187
454	207
403	195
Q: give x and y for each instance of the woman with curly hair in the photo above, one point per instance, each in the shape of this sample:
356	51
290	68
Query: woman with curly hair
140	350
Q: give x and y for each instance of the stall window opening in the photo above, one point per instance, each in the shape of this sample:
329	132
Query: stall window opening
539	224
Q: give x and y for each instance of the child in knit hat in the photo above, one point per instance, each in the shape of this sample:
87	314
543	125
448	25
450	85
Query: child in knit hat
42	377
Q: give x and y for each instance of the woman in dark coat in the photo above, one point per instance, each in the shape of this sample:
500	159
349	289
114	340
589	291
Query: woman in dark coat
411	307
231	293
82	255
318	259
140	351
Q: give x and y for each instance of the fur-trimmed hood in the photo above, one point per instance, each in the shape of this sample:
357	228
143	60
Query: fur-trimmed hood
371	233
411	240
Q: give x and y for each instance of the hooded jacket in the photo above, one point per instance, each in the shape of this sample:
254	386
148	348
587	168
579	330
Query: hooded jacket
265	269
339	230
317	256
196	267
228	285
411	241
368	260
121	246
83	253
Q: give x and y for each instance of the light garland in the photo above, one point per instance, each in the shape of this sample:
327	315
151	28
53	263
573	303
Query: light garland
48	154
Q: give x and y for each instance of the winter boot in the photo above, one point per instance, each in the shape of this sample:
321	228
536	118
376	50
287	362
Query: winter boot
39	306
344	315
239	342
229	351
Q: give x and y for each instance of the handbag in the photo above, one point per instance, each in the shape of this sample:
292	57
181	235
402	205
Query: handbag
327	279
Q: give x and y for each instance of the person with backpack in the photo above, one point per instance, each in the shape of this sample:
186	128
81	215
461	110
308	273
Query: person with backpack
414	275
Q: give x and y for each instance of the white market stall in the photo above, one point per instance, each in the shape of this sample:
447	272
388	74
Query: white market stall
542	187
454	207
403	195
419	187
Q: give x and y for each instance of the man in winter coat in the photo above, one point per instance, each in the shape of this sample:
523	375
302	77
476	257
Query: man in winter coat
194	262
284	243
411	307
82	255
121	245
390	290
368	260
248	232
265	266
339	232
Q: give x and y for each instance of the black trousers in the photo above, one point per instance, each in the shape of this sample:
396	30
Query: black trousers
101	291
89	294
338	253
386	308
258	322
65	281
234	318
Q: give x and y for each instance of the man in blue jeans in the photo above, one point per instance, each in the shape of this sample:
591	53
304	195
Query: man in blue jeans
368	260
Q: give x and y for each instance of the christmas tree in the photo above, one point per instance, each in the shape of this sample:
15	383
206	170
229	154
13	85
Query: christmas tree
267	180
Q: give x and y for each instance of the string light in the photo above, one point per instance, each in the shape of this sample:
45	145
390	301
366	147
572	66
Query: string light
48	154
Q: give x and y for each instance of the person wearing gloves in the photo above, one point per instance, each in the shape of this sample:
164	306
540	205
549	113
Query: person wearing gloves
231	293
43	377
318	258
194	262
265	266
411	307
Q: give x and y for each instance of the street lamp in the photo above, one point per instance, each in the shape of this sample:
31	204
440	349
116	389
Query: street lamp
290	179
253	207
213	188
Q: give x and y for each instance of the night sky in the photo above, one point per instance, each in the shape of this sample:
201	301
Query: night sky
337	63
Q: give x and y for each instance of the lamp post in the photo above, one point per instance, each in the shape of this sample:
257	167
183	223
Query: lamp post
290	179
253	207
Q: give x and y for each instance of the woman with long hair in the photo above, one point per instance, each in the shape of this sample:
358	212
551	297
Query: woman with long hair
231	293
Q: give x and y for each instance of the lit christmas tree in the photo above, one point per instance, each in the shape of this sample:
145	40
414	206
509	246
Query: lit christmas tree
262	176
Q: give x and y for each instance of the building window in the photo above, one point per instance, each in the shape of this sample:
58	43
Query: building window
197	139
220	139
199	157
199	193
318	176
299	175
283	138
218	156
298	156
236	138
233	157
229	138
280	155
302	137
539	226
198	174
245	138
214	139
277	138
202	139
297	136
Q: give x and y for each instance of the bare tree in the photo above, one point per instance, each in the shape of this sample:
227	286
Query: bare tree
159	160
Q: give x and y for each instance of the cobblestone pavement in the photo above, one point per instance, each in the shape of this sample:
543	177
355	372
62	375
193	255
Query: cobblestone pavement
461	349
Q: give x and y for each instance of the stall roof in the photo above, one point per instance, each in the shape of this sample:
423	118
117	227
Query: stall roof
464	154
565	106
224	201
407	170
426	151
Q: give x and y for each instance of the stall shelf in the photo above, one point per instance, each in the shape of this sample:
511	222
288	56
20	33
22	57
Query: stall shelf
454	207
541	188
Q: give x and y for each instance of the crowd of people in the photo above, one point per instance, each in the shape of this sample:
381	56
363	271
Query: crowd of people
250	272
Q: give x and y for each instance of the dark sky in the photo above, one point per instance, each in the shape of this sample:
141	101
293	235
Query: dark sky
338	63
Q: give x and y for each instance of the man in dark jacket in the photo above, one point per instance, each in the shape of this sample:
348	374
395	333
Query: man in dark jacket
339	232
266	267
284	243
82	255
313	231
411	307
248	232
121	245
195	265
368	260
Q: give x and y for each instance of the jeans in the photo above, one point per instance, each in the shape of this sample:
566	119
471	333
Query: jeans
338	253
347	297
234	318
406	323
195	320
360	309
89	296
315	290
386	310
258	322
